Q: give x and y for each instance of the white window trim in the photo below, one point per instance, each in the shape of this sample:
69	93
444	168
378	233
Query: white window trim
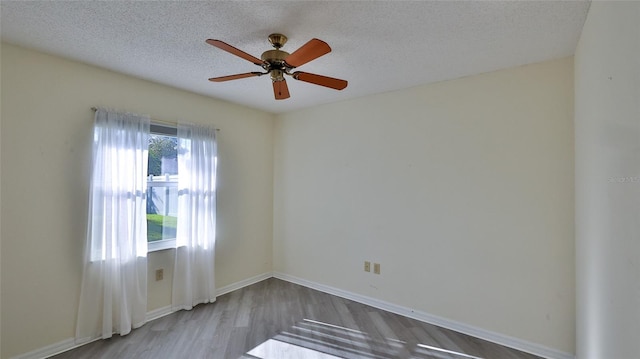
161	245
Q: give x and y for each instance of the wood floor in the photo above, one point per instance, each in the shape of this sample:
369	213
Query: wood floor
280	320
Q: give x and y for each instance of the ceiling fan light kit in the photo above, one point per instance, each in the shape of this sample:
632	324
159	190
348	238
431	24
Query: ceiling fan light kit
278	63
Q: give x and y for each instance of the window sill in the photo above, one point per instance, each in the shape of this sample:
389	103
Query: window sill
161	245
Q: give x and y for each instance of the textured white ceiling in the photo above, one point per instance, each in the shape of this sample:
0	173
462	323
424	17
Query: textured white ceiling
378	46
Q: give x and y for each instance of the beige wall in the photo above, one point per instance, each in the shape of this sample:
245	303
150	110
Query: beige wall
462	190
0	197
46	153
607	132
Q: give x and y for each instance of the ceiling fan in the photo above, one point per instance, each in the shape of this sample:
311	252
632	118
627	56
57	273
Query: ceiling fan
278	63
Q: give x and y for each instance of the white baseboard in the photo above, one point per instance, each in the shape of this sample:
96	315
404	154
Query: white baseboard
49	350
158	313
498	338
243	283
70	343
494	337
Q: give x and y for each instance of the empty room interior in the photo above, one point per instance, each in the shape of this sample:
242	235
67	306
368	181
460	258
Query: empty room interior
474	187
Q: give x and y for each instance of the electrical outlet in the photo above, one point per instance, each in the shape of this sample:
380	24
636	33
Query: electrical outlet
367	266
159	274
376	268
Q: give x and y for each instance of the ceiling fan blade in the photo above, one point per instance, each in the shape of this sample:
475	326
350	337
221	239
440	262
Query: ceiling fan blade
280	90
307	52
235	77
232	50
320	80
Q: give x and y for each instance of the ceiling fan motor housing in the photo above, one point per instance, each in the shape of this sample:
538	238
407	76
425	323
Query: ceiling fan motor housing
277	66
275	57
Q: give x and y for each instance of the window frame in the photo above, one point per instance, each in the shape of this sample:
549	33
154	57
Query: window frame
163	130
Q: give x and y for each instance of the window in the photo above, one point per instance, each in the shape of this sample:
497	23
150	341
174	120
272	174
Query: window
162	188
120	187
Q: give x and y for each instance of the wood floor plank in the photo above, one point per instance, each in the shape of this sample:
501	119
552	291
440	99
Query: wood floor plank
287	320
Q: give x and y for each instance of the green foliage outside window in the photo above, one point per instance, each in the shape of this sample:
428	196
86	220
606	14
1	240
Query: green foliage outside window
161	147
158	224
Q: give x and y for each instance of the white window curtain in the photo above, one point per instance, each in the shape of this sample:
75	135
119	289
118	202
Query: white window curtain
113	295
193	279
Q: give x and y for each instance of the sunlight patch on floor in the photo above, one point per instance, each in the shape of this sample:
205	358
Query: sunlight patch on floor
275	349
311	339
428	347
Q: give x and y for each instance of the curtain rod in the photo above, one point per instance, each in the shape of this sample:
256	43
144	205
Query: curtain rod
171	123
